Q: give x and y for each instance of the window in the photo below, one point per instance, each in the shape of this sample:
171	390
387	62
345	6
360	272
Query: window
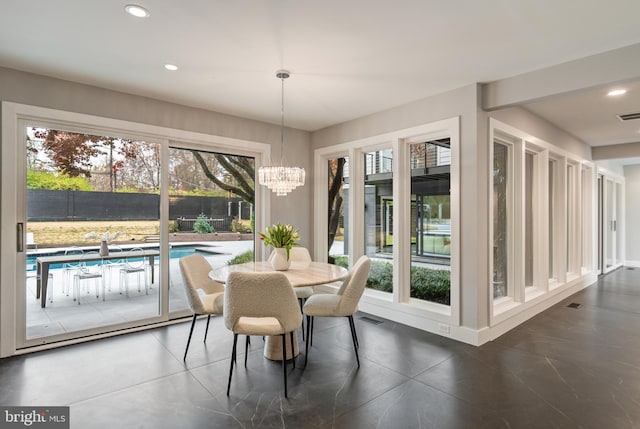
338	202
501	219
552	195
529	218
569	194
431	220
211	196
378	218
586	258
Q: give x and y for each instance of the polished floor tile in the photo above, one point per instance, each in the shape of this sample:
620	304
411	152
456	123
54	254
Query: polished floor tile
565	368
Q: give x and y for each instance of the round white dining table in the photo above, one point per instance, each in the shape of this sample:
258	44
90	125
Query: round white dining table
300	274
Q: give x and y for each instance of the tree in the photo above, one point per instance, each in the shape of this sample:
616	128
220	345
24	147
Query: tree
140	168
58	182
240	174
135	165
74	154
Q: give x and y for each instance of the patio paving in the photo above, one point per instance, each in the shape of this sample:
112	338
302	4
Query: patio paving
65	315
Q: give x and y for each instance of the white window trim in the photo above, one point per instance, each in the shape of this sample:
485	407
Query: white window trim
540	221
425	315
553	273
616	179
508	301
589	217
525	299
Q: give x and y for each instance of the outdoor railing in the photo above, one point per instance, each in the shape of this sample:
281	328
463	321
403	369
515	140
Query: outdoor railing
218	224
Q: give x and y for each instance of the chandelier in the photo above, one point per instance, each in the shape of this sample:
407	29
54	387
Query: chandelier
281	179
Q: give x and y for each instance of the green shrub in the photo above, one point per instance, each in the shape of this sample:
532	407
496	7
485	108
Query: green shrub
380	276
342	261
173	226
237	226
241	258
431	285
56	181
426	284
202	225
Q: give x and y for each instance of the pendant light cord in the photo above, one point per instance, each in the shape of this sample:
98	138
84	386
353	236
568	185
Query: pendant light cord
282	77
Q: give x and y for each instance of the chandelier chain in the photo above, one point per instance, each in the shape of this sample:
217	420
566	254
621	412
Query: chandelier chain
281	179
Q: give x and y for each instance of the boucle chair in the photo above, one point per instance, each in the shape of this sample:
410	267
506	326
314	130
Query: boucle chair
343	304
300	258
195	274
261	304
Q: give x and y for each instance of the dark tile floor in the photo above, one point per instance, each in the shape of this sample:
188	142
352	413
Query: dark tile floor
565	368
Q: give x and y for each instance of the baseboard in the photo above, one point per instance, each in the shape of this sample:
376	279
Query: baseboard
439	325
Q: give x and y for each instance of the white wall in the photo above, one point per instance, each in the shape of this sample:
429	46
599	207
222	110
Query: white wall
632	213
530	123
612	166
43	91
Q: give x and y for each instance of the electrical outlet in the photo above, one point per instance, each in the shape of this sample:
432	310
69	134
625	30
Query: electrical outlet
443	328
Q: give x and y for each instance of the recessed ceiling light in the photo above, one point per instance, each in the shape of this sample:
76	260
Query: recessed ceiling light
137	11
617	92
171	67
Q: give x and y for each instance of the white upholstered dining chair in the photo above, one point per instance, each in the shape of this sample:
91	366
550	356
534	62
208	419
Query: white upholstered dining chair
195	274
343	304
261	304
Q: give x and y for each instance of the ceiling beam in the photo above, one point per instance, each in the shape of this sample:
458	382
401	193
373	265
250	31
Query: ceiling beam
610	67
615	151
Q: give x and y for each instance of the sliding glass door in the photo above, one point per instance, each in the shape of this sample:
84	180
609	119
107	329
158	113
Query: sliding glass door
610	207
211	212
97	213
92	232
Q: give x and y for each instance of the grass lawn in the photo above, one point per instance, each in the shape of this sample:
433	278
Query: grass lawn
54	234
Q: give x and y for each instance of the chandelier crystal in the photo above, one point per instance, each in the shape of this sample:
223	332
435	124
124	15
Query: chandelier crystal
281	179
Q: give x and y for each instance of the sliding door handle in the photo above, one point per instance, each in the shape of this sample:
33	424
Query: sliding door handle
20	237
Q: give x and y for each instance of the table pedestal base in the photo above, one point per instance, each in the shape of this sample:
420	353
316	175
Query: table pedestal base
273	347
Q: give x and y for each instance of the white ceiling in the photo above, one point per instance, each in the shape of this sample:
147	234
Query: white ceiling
348	58
591	115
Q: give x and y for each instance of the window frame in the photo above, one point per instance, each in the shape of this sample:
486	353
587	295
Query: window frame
544	284
398	305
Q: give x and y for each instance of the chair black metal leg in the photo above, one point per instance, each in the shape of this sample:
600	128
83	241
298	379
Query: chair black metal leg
354	337
233	359
313	322
293	357
306	349
246	351
193	323
284	362
301	302
206	331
